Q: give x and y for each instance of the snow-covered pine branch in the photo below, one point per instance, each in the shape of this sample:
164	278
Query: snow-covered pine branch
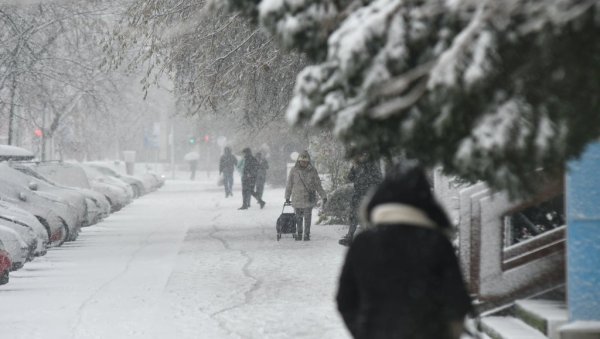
481	61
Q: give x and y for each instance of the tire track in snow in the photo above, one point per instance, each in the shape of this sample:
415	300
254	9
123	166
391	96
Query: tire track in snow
249	294
83	305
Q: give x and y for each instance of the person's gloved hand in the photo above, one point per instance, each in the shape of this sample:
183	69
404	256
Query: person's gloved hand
288	201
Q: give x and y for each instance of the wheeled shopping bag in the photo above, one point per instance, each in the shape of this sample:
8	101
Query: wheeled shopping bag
286	223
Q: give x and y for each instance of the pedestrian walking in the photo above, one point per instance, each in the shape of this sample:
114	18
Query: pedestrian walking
261	175
364	174
192	159
227	164
302	187
249	172
401	277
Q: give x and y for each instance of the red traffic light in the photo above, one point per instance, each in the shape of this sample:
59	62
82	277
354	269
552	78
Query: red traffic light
206	138
38	133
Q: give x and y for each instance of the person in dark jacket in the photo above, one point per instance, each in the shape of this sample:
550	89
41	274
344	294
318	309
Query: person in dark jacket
227	164
261	175
249	173
401	277
364	174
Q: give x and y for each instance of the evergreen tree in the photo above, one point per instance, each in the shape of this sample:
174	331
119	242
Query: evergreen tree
493	90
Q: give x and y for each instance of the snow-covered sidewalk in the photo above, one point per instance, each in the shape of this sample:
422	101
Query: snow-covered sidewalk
181	263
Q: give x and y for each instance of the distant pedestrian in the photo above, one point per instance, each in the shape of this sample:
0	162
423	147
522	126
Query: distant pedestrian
249	172
261	174
365	174
192	159
302	187
401	277
227	164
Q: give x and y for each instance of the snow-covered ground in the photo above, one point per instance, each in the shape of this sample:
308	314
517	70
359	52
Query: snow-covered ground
182	262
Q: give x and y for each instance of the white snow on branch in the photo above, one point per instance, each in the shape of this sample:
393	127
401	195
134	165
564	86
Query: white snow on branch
349	44
505	127
445	73
545	134
481	63
291	19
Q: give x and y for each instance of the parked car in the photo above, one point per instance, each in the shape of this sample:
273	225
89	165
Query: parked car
137	185
42	199
25	233
68	204
156	181
25	219
56	228
5	264
74	175
121	193
151	180
9	152
97	206
15	246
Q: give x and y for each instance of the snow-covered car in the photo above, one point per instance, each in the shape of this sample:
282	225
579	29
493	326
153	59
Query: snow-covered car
23	218
121	192
97	206
69	205
25	233
155	180
137	185
9	152
5	264
152	181
15	246
74	175
55	227
60	219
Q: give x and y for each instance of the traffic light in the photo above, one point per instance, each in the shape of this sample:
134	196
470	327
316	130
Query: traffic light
38	132
192	140
207	138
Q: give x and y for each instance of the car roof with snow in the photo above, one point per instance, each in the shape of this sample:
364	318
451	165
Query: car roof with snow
9	152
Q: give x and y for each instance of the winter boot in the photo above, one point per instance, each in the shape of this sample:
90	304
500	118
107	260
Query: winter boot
298	237
345	241
307	237
244	207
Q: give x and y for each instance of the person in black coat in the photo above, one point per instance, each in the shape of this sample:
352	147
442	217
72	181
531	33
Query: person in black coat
249	173
261	175
401	277
227	165
364	174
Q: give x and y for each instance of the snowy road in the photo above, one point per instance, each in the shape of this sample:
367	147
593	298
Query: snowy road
182	262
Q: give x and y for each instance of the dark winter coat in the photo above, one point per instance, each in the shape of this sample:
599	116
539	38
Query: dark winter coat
262	167
227	163
250	169
401	279
364	175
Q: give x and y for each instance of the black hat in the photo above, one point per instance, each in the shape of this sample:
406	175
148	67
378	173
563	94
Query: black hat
408	186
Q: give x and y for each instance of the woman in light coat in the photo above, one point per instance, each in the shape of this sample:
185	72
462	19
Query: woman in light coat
301	190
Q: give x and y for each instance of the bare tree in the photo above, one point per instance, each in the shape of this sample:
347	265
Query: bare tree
221	65
49	65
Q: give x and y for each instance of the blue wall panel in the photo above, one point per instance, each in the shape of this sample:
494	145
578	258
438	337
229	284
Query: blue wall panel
583	236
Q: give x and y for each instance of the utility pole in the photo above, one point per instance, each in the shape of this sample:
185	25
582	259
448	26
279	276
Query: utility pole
11	115
172	145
